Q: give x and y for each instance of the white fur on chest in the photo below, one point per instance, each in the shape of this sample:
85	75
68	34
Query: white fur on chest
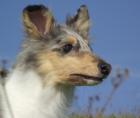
29	99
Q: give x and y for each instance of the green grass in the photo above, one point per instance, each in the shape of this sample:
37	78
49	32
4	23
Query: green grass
105	116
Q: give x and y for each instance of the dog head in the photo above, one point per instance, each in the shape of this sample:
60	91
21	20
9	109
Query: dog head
61	54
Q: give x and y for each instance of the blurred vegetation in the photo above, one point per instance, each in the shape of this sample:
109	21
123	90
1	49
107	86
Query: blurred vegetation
106	116
117	80
3	69
119	77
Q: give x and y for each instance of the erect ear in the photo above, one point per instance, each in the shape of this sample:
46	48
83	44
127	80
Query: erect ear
80	22
38	21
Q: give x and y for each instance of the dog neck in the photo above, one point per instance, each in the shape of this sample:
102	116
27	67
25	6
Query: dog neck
29	99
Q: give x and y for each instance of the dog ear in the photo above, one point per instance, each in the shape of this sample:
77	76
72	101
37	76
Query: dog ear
38	21
80	22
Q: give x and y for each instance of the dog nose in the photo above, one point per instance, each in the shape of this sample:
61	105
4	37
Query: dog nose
105	68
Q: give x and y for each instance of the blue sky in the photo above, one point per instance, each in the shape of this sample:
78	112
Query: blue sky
115	32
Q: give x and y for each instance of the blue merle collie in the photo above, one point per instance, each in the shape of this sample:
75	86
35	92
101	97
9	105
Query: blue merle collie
53	60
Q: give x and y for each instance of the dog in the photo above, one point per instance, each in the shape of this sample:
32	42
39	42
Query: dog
54	58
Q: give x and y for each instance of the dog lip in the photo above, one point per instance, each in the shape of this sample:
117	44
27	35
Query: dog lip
88	77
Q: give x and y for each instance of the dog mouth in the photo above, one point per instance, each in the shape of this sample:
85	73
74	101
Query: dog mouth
82	79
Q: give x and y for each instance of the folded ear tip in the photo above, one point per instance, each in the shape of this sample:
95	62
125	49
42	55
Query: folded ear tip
83	6
31	8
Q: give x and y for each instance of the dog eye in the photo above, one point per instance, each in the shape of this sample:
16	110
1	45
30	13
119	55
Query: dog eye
67	48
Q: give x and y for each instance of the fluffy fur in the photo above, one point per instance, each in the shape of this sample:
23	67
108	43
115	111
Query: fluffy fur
53	60
29	99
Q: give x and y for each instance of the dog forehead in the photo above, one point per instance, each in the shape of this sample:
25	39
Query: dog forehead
74	35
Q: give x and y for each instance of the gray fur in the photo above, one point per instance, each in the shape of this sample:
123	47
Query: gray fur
55	38
52	42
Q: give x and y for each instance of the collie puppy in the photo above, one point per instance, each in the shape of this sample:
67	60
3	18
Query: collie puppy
53	60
